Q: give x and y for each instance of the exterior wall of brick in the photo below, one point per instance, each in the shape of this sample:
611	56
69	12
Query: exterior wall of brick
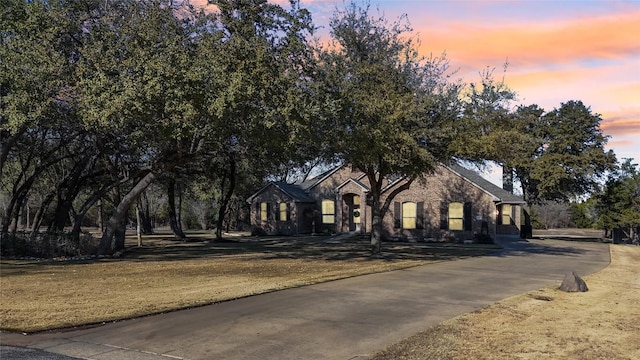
346	209
513	228
432	196
326	190
298	220
437	190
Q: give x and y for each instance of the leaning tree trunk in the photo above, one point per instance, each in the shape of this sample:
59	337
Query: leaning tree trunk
174	222
226	197
38	217
116	221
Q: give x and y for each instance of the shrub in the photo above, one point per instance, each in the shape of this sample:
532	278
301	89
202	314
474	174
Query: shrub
48	245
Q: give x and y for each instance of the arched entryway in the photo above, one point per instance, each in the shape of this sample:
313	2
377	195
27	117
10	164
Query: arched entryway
352	212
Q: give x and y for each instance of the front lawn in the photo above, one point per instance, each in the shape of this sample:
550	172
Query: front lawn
165	275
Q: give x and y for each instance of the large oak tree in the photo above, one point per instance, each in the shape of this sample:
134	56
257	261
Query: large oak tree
390	107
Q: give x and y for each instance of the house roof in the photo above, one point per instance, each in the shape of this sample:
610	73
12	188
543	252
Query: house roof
308	184
299	192
498	194
295	192
355	181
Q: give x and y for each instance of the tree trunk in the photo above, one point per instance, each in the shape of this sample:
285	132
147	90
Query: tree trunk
88	204
38	217
226	198
138	226
116	221
376	226
100	216
507	178
378	210
145	218
174	222
61	215
8	141
18	206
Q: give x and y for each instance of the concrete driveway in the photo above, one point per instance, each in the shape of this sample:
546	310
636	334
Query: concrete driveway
345	319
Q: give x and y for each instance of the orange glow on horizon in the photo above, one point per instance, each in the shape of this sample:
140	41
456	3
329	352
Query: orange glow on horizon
602	37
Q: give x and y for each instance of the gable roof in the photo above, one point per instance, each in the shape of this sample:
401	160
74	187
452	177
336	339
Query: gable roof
355	181
299	192
310	183
295	192
498	193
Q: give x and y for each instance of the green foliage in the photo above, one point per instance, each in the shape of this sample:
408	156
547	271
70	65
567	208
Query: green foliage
487	127
618	205
583	214
572	159
388	108
387	100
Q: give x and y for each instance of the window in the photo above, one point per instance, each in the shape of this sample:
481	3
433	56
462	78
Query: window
283	212
264	208
328	212
506	214
456	216
409	215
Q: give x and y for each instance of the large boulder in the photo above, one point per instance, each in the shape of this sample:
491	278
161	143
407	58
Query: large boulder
573	283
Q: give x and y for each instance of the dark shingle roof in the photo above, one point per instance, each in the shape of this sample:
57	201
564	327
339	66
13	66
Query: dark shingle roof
296	193
497	192
308	184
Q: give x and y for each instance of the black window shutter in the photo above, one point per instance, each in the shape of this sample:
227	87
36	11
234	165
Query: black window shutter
268	211
288	212
278	212
444	216
420	215
468	217
396	215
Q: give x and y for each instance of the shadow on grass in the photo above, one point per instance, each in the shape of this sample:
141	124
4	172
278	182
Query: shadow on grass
162	247
311	248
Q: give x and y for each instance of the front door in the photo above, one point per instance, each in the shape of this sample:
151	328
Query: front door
354	223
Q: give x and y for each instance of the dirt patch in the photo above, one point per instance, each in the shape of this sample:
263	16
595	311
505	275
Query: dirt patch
603	323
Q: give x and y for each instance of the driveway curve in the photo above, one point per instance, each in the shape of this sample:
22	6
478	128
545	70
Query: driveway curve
345	319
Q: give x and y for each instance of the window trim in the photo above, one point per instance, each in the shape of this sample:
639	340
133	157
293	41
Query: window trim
508	214
399	215
264	211
326	215
456	218
405	217
282	211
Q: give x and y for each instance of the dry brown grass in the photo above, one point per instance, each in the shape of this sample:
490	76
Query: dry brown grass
165	275
603	323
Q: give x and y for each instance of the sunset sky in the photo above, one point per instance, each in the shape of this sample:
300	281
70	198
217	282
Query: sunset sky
557	50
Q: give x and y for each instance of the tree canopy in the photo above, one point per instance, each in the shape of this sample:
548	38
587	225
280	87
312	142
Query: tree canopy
102	99
618	205
389	105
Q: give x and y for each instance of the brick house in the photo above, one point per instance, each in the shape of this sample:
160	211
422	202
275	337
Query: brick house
453	202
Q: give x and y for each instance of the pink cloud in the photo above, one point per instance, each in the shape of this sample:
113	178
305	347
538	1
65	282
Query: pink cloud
609	36
622	123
